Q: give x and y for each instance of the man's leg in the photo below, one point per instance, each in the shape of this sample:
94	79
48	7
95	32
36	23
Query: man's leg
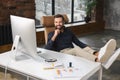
90	50
107	50
70	51
77	51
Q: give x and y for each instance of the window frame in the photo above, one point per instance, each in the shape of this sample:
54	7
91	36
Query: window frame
72	11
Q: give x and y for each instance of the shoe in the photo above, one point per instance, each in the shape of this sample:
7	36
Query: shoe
106	51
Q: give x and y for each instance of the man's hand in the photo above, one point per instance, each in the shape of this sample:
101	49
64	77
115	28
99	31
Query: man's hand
56	32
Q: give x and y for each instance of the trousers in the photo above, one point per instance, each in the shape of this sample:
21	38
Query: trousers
82	52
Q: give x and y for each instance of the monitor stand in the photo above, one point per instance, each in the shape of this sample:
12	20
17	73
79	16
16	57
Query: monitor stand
15	43
15	50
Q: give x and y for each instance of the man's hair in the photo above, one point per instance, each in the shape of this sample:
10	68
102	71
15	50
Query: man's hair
59	16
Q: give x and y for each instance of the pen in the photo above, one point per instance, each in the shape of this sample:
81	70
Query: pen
48	68
52	64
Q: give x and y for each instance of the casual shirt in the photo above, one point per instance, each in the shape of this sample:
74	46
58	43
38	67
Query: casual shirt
64	40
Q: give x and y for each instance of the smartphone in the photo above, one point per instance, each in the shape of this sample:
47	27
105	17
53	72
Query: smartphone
51	60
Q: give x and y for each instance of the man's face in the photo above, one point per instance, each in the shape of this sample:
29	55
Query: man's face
59	23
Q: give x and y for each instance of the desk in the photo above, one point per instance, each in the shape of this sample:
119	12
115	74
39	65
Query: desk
83	68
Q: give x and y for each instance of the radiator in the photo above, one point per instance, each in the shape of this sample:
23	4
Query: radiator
5	34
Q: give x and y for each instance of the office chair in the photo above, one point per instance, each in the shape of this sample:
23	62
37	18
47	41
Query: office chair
48	23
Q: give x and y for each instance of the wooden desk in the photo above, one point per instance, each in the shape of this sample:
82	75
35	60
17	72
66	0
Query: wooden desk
82	69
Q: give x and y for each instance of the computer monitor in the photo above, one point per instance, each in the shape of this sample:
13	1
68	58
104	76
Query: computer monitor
24	38
24	35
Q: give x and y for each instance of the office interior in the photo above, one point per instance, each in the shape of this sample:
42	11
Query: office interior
104	25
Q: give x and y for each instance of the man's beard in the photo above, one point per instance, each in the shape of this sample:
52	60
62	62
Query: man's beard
61	27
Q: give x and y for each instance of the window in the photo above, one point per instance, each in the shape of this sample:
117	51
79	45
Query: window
63	7
75	9
43	8
79	10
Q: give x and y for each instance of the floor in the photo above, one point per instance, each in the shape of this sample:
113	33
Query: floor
96	41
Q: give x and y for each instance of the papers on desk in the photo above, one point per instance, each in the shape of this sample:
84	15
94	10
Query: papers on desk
52	65
61	71
67	73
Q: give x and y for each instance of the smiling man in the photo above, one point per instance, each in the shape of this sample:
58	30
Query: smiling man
62	39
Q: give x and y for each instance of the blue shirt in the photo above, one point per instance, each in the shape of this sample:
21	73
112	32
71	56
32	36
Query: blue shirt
63	40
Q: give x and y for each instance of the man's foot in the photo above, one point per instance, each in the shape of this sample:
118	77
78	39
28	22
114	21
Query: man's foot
106	51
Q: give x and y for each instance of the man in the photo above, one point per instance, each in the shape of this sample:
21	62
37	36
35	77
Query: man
62	39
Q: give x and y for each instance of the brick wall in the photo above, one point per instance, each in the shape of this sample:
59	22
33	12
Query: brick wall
25	8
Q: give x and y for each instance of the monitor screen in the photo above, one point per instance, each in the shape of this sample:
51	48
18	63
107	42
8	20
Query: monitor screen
25	28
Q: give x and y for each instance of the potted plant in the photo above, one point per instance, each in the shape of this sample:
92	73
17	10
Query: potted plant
90	5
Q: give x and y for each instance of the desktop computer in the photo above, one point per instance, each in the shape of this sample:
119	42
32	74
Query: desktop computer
24	37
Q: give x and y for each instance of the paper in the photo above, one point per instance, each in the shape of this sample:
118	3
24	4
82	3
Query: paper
67	73
52	65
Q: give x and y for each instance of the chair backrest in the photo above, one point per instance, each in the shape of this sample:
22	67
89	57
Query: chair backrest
48	23
112	59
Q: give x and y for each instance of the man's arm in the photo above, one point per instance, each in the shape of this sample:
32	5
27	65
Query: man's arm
56	32
51	39
77	42
50	43
82	45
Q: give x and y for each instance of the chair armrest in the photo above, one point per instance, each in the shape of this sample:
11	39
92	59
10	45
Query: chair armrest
112	59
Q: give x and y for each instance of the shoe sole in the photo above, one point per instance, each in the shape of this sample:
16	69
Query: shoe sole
110	47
